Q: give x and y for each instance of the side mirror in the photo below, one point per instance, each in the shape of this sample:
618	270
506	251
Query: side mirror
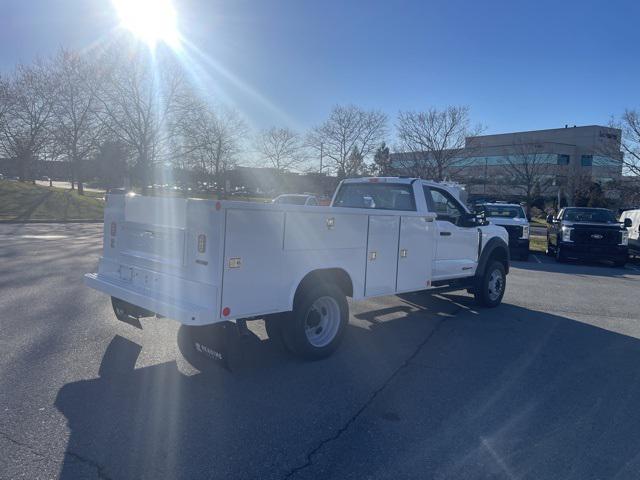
473	220
627	222
549	218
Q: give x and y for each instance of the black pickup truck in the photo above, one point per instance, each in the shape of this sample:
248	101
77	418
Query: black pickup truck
587	234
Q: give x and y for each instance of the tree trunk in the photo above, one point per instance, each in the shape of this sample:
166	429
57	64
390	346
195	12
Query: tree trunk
77	174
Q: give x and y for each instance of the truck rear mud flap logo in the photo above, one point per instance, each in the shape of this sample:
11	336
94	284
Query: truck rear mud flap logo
208	351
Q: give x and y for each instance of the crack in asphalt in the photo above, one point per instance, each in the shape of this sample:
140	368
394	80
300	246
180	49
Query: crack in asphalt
372	397
100	470
21	444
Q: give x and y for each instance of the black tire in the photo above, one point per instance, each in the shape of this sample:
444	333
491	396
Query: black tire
560	258
314	308
619	263
524	257
485	289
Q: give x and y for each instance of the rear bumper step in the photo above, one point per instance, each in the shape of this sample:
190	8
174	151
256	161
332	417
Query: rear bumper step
186	313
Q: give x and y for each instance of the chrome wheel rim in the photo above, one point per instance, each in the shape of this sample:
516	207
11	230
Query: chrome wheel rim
322	322
496	284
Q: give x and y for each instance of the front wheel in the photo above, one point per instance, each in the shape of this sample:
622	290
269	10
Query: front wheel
317	323
490	287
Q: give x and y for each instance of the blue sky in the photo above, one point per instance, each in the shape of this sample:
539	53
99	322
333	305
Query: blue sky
518	65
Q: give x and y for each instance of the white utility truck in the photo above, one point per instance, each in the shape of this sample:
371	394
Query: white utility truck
205	262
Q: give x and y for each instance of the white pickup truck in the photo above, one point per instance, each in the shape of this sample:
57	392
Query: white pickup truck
203	262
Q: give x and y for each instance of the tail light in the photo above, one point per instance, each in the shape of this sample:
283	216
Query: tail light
202	243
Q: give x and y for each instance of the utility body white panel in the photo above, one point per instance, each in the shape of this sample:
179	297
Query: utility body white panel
205	261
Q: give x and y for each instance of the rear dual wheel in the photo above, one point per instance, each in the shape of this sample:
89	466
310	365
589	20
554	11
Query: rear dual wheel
315	327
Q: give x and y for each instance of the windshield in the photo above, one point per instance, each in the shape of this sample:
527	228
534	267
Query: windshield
381	196
504	211
589	215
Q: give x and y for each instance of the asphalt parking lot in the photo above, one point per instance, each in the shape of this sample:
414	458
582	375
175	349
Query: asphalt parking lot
545	386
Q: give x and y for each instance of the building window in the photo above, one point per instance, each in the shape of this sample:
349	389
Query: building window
600	161
563	159
586	160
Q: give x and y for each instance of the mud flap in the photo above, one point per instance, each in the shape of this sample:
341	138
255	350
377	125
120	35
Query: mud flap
220	344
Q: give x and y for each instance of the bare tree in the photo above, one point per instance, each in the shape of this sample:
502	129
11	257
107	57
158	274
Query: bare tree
631	142
349	129
281	148
211	140
27	106
4	100
76	128
137	102
531	171
433	141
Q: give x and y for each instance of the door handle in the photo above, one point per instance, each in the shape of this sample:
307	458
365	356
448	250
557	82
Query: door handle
445	234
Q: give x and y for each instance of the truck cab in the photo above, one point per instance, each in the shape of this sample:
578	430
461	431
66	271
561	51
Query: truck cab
460	235
588	234
511	216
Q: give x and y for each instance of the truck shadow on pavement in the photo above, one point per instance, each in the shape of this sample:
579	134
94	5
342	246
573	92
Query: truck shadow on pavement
502	393
573	267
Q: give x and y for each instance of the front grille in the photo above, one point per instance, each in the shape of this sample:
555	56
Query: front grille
514	231
591	236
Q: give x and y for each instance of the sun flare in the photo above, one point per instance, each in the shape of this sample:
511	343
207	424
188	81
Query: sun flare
152	21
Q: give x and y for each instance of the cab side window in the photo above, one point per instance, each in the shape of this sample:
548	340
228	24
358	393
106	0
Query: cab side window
443	204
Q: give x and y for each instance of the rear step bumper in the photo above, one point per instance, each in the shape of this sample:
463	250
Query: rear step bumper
186	313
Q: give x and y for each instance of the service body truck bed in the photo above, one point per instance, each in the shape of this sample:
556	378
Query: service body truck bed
202	262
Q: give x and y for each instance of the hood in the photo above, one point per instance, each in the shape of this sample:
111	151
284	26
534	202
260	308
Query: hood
606	226
508	221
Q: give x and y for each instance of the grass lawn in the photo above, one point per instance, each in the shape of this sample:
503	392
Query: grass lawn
25	201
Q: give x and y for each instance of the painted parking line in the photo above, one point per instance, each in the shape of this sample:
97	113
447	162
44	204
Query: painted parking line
536	258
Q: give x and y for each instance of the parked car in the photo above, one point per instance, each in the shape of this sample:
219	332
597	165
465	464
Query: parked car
632	216
511	216
295	199
588	234
205	263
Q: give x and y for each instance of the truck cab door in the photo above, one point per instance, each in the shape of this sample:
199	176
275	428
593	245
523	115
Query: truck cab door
456	246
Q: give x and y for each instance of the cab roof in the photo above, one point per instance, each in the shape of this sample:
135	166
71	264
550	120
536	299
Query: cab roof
401	180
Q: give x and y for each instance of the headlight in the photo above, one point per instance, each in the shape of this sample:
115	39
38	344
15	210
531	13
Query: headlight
525	232
566	234
624	240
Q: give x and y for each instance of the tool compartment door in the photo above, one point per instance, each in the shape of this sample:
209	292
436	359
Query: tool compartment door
382	255
415	253
252	279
